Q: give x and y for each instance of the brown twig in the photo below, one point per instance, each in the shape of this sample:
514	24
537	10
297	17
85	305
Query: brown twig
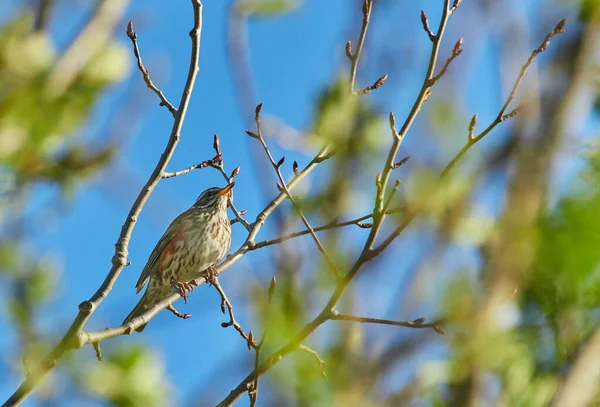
368	253
163	99
354	57
229	178
416	323
502	115
284	188
213	162
378	83
226	304
75	337
456	51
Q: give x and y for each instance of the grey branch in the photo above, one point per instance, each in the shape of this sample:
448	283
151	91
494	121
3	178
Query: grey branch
75	337
163	99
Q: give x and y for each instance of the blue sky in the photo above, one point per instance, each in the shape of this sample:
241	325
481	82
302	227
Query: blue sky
293	58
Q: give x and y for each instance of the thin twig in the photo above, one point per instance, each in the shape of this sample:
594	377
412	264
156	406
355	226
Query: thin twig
75	337
367	253
416	323
225	303
220	167
354	57
212	163
502	115
284	187
163	99
331	225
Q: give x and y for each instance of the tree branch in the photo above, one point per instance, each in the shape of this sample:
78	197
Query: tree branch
220	167
74	338
367	253
284	187
417	323
212	163
366	10
225	303
163	99
502	115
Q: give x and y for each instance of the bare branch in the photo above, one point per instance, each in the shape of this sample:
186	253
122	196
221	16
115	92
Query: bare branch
163	99
75	337
502	115
416	323
425	23
367	253
456	51
367	7
249	338
379	82
220	167
284	188
212	163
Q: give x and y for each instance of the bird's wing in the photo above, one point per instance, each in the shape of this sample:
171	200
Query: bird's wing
162	255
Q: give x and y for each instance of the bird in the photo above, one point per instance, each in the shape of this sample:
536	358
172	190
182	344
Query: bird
193	243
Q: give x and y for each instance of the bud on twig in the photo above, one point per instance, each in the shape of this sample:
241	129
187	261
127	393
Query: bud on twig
234	173
279	187
251	341
455	5
392	121
418	321
472	127
216	145
426	26
439	330
295	167
364	225
280	163
349	50
560	27
130	33
257	111
457	47
252	134
513	113
401	162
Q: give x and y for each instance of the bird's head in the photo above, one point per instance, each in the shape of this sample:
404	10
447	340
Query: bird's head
214	198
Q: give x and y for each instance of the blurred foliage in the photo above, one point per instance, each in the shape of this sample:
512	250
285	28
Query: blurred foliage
37	127
127	377
39	143
266	8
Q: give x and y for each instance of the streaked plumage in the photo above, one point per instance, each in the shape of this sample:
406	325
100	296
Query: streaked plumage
196	240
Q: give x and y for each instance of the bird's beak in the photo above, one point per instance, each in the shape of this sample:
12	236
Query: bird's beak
226	190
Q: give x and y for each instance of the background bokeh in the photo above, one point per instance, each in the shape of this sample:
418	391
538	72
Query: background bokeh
507	252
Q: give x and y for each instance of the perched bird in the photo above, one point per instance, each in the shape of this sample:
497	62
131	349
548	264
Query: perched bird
194	242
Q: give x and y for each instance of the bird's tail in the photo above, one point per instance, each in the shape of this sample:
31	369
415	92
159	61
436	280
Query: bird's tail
138	310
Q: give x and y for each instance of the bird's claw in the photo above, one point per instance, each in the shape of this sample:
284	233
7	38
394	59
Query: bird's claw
177	313
211	275
181	288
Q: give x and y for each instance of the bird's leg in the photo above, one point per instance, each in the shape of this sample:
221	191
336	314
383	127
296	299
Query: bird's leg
181	288
177	313
211	275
